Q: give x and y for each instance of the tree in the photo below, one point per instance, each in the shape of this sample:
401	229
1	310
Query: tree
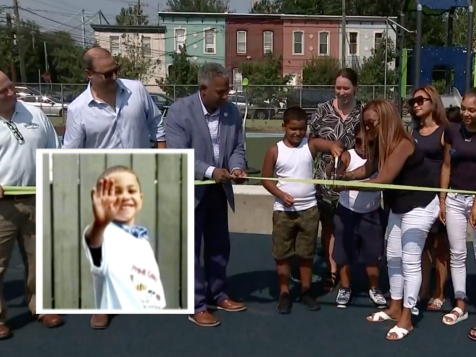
133	15
136	61
266	7
320	71
372	71
182	78
217	6
265	79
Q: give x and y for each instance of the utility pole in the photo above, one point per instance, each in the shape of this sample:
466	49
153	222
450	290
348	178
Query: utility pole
21	54
12	39
83	28
344	35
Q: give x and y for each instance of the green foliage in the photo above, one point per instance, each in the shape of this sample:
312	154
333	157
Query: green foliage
265	79
182	79
64	54
265	7
132	16
372	70
134	63
320	71
216	6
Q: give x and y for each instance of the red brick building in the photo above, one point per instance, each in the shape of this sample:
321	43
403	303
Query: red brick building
249	37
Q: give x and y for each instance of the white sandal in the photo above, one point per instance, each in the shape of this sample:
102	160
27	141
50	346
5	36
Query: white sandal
399	331
379	317
456	315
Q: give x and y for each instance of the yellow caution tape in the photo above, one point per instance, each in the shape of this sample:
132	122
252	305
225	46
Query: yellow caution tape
351	184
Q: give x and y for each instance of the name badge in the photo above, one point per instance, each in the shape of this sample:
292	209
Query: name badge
31	126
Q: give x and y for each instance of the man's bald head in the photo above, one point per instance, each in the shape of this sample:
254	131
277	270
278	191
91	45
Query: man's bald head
92	54
8	97
3	79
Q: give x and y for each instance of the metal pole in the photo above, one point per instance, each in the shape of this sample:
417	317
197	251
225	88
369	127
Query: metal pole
449	43
12	39
400	67
386	62
417	57
469	46
19	35
83	28
343	40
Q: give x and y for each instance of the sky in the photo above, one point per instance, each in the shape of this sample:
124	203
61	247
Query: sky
66	14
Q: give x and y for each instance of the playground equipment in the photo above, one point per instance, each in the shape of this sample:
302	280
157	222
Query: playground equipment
457	60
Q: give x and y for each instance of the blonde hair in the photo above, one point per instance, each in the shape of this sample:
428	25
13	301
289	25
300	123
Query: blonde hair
390	129
438	110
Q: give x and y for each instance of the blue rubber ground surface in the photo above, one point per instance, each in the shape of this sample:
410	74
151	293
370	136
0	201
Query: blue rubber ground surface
258	332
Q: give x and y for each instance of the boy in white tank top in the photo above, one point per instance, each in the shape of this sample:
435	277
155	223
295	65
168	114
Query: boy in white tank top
360	225
125	272
295	216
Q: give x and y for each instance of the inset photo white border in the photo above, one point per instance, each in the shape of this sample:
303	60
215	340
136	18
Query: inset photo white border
40	153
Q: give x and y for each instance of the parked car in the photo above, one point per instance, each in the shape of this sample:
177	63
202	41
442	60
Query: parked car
23	91
51	105
162	101
256	110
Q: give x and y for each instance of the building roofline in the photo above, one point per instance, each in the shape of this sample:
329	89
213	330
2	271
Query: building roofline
129	29
280	16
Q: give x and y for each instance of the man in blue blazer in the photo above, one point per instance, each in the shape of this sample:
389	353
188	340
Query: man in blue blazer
211	125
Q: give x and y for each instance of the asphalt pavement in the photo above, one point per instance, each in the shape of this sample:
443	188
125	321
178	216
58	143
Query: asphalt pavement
258	332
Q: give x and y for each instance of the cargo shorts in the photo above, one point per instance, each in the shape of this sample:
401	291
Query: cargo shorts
295	233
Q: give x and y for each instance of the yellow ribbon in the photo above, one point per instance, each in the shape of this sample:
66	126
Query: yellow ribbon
351	184
31	190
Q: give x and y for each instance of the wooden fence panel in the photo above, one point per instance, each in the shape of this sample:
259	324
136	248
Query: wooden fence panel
184	234
90	166
118	159
169	217
66	231
68	281
47	238
146	168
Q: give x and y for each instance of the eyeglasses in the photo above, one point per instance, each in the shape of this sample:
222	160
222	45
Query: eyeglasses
16	133
417	100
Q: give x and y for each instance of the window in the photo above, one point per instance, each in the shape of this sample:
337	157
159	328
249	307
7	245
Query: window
298	43
378	36
353	43
180	37
241	42
324	43
267	42
146	46
237	80
114	45
209	41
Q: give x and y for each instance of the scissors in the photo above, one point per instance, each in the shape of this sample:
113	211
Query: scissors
336	165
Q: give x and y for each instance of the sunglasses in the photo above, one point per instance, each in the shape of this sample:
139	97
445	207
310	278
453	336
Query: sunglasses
16	133
417	100
108	74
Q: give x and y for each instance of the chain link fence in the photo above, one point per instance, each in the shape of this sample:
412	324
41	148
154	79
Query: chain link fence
257	102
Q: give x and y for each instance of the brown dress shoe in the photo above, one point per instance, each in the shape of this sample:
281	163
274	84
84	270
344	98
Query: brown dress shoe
51	321
204	319
231	306
5	332
100	321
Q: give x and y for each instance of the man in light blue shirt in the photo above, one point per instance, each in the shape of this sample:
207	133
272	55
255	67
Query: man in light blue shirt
112	112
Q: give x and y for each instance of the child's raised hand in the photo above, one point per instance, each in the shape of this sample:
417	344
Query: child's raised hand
106	204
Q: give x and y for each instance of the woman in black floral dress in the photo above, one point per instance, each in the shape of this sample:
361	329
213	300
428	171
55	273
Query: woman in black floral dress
334	120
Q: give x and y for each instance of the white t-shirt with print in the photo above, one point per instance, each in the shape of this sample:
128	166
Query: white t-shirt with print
128	277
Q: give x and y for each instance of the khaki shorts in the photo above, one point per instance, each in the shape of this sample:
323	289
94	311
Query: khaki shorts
295	233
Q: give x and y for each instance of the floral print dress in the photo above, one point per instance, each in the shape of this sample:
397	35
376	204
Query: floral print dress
328	124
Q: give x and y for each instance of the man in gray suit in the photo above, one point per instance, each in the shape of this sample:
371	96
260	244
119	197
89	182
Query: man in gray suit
211	125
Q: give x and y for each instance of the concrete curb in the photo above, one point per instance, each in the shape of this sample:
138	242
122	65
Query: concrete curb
254	211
